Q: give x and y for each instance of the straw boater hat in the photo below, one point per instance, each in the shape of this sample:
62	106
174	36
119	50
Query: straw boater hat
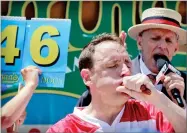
160	18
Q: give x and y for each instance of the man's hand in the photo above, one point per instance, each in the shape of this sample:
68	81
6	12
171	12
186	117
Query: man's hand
171	81
21	118
123	37
132	85
30	75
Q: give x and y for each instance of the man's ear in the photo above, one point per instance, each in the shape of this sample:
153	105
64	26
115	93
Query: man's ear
123	36
139	42
176	49
85	74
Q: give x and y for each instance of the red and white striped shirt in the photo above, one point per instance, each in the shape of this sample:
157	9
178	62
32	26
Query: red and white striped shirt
136	116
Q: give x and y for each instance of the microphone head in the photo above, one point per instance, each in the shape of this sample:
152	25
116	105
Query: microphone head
160	61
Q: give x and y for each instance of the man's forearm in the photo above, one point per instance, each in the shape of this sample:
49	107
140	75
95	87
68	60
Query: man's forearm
15	107
175	114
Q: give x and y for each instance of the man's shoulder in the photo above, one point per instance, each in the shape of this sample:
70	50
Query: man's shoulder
135	65
136	59
84	100
72	123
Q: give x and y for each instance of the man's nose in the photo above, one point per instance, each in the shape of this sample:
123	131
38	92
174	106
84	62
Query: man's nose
125	71
162	44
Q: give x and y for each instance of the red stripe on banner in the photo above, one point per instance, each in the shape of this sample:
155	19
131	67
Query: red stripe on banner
160	21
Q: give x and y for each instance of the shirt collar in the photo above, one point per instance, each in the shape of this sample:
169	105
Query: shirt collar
78	112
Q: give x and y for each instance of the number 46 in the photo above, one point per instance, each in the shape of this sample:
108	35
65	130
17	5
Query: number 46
10	52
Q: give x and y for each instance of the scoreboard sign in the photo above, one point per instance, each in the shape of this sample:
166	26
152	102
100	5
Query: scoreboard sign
39	42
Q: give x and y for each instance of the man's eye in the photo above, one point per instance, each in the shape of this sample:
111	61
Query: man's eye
155	38
113	66
168	40
128	63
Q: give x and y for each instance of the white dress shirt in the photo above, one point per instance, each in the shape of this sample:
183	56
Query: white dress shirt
146	71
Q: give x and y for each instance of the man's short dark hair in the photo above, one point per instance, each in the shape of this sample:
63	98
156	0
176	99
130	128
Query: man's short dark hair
86	56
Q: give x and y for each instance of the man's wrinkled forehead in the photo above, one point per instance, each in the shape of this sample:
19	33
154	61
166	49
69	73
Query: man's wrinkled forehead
110	53
109	47
109	50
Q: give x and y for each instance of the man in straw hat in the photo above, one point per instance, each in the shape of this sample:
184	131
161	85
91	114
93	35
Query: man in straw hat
105	68
158	34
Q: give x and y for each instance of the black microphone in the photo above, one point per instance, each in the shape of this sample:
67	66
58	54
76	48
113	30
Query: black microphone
164	67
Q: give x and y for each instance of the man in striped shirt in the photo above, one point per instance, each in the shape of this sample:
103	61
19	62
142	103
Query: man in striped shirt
105	69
